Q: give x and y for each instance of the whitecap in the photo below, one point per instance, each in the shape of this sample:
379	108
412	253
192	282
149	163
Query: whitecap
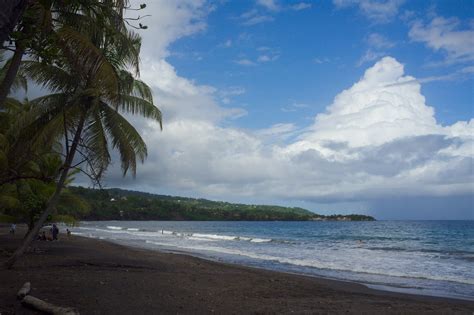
260	240
111	227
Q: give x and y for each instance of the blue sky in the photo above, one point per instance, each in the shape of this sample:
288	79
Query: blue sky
337	106
314	53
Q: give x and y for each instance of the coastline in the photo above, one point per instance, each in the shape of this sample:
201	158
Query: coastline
101	277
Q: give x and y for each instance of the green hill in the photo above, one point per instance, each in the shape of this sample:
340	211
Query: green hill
119	204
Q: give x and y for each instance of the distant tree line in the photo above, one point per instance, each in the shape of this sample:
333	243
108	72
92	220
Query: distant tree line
118	204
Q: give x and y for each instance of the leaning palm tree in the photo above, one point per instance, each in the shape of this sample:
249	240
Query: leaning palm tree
90	92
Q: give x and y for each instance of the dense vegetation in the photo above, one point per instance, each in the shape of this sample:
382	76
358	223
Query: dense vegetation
85	57
118	204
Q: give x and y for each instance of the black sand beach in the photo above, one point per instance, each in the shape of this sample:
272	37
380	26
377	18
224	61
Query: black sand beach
98	277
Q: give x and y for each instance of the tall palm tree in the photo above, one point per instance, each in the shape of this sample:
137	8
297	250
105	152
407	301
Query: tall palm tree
90	91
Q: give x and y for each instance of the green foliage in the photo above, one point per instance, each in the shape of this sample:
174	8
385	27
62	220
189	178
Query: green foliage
28	173
7	218
63	218
118	204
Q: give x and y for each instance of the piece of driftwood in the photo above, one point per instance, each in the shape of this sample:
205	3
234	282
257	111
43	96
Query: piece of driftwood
46	307
24	291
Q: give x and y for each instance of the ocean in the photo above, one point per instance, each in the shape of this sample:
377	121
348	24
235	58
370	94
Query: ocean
421	257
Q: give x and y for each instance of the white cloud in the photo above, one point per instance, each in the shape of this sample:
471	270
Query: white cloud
376	110
300	6
369	56
257	19
180	98
245	62
169	21
277	129
378	139
267	58
321	60
227	43
380	11
233	91
378	45
445	35
379	41
269	4
294	107
253	17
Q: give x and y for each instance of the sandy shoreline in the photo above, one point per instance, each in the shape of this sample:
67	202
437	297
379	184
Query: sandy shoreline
99	277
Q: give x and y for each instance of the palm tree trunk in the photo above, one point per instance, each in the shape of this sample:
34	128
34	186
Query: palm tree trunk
7	82
53	201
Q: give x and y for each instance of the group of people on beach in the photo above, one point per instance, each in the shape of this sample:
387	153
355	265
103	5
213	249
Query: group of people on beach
52	235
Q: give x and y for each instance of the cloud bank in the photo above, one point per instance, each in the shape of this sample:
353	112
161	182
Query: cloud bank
378	140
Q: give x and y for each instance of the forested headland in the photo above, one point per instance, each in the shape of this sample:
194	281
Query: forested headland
118	204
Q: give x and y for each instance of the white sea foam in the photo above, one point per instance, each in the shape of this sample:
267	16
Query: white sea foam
132	229
215	236
243	238
260	240
111	227
194	238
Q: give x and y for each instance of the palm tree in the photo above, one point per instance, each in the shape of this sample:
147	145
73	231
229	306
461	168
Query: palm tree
91	88
45	26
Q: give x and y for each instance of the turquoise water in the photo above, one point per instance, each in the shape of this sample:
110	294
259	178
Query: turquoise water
423	257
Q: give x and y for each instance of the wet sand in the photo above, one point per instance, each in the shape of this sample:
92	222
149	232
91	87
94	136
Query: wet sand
98	277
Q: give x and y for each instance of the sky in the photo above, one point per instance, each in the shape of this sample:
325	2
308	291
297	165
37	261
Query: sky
343	106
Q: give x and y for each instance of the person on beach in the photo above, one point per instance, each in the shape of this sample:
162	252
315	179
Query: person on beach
68	232
42	236
13	229
55	232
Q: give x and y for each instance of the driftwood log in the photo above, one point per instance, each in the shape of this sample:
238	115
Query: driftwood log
24	291
46	307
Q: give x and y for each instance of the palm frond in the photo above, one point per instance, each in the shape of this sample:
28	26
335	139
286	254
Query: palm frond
96	145
48	76
125	139
136	105
89	61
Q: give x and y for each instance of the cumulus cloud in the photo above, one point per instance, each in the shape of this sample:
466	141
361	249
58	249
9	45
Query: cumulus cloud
169	21
180	98
378	140
446	35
